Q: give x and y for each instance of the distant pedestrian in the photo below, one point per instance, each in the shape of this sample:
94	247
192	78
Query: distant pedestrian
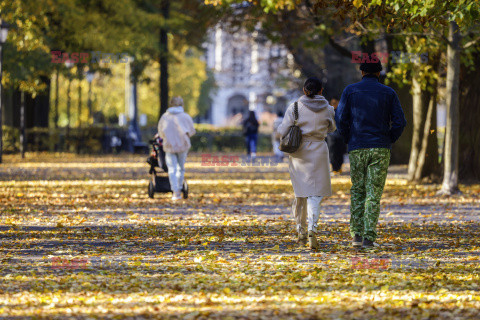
336	147
250	131
276	136
370	119
115	142
309	166
175	128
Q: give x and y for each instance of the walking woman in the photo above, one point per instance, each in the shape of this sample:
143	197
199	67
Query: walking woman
309	166
250	130
175	128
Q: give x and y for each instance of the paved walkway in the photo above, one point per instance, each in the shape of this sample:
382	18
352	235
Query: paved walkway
79	227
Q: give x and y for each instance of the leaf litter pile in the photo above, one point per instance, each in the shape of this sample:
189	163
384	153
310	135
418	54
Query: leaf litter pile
81	239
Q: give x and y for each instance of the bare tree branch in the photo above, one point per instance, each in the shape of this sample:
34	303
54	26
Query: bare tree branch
471	43
342	50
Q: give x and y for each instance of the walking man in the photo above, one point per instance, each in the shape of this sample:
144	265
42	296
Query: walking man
370	119
336	146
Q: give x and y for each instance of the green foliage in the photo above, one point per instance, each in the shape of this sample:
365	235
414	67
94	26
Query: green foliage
107	26
88	139
225	139
402	73
26	50
188	73
206	90
10	139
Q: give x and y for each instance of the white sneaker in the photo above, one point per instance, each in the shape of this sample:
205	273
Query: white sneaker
177	195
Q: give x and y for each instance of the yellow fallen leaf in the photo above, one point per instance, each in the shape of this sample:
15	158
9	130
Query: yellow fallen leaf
357	3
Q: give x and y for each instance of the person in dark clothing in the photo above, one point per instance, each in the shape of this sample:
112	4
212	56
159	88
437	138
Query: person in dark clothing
370	119
277	136
336	146
250	131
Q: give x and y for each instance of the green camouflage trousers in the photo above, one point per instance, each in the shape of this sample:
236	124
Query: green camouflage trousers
368	171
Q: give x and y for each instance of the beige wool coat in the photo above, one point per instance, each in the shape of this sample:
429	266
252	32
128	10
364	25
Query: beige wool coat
175	128
309	166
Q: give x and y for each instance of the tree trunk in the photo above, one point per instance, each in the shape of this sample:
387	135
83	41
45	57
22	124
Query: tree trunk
164	58
79	105
55	118
68	106
39	105
418	121
401	148
291	30
450	173
424	153
89	102
427	163
79	117
23	139
133	127
469	155
1	106
367	45
303	59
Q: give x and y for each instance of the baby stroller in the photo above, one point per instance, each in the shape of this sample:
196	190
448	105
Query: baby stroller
160	182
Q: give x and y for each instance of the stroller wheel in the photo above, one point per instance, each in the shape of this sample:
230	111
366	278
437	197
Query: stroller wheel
185	189
151	190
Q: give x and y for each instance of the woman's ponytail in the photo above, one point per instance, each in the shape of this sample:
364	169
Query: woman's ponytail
312	86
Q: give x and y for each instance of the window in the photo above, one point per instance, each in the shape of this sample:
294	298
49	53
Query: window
237	65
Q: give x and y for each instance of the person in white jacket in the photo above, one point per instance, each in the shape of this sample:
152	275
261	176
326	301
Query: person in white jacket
175	128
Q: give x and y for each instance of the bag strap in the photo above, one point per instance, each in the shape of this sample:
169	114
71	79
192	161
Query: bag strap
295	112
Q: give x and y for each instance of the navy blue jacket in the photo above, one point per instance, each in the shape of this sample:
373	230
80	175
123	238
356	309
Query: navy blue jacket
369	115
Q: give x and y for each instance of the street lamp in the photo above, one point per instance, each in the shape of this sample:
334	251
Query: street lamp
90	76
3	37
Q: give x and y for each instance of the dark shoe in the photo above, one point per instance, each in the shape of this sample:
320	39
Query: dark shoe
368	244
302	239
312	240
357	241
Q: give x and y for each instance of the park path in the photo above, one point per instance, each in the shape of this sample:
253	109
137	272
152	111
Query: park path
79	223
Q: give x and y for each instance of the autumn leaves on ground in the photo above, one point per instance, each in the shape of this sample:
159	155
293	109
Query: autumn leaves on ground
80	238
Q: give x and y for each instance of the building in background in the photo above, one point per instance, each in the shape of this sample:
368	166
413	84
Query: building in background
247	68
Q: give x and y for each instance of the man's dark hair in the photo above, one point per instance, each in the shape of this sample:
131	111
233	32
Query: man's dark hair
371	67
312	86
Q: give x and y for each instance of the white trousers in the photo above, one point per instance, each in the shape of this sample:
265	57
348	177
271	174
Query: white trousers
176	169
306	209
